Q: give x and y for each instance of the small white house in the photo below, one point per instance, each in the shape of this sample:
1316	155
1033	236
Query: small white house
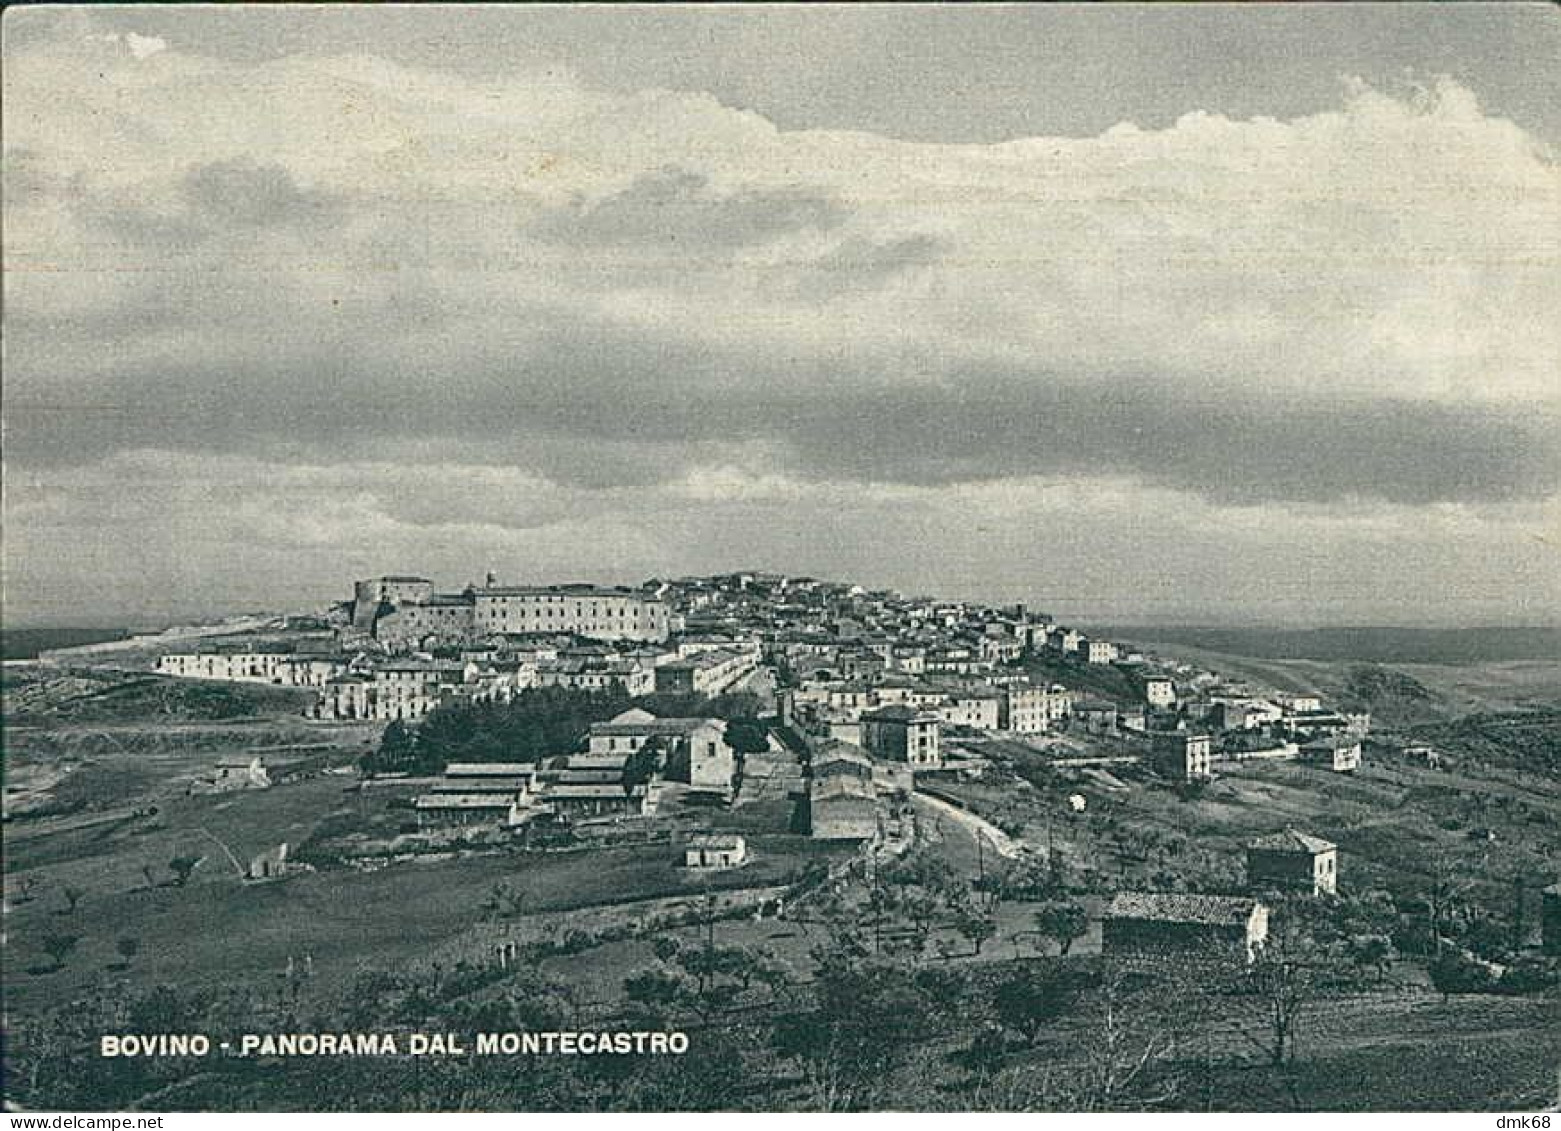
715	850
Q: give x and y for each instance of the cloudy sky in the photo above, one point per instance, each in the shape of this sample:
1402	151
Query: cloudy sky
1182	312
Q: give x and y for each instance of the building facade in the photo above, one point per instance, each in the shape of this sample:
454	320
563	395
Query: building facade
1172	924
903	734
600	613
1293	861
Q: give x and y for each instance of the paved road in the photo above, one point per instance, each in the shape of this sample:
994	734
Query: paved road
1003	844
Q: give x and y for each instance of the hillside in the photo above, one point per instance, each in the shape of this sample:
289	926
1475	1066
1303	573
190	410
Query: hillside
1399	694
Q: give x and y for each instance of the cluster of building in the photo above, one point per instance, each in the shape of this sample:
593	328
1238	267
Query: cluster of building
624	771
875	680
399	649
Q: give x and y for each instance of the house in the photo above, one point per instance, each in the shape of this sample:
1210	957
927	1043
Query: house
707	672
841	759
596	673
1319	722
1159	692
233	773
903	734
272	865
1337	752
1183	755
1165	923
695	749
1300	704
1097	715
1293	861
841	807
392	689
1024	709
979	710
1099	651
715	850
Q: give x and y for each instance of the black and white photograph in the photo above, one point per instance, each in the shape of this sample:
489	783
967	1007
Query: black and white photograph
781	558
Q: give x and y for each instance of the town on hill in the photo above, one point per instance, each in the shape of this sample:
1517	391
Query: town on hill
864	849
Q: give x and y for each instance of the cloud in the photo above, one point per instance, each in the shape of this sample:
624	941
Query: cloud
1081	546
341	260
246	192
673	208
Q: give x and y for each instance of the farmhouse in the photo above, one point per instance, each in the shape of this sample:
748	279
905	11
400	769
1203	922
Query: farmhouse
841	808
1336	751
237	772
1183	755
1097	715
1293	861
715	850
841	759
272	865
1156	923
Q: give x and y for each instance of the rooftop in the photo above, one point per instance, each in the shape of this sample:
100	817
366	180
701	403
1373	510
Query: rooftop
652	726
1291	841
1181	907
728	842
899	714
489	769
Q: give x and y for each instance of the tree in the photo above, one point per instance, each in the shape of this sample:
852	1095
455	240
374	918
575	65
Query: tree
1455	972
976	926
128	948
397	751
1129	1037
1284	982
72	897
58	947
640	766
1373	952
747	736
504	901
1064	923
866	1016
1032	997
182	867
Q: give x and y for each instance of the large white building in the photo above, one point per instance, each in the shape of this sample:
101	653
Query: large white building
604	614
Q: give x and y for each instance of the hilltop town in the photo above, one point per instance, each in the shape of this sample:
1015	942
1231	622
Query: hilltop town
705	800
920	685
